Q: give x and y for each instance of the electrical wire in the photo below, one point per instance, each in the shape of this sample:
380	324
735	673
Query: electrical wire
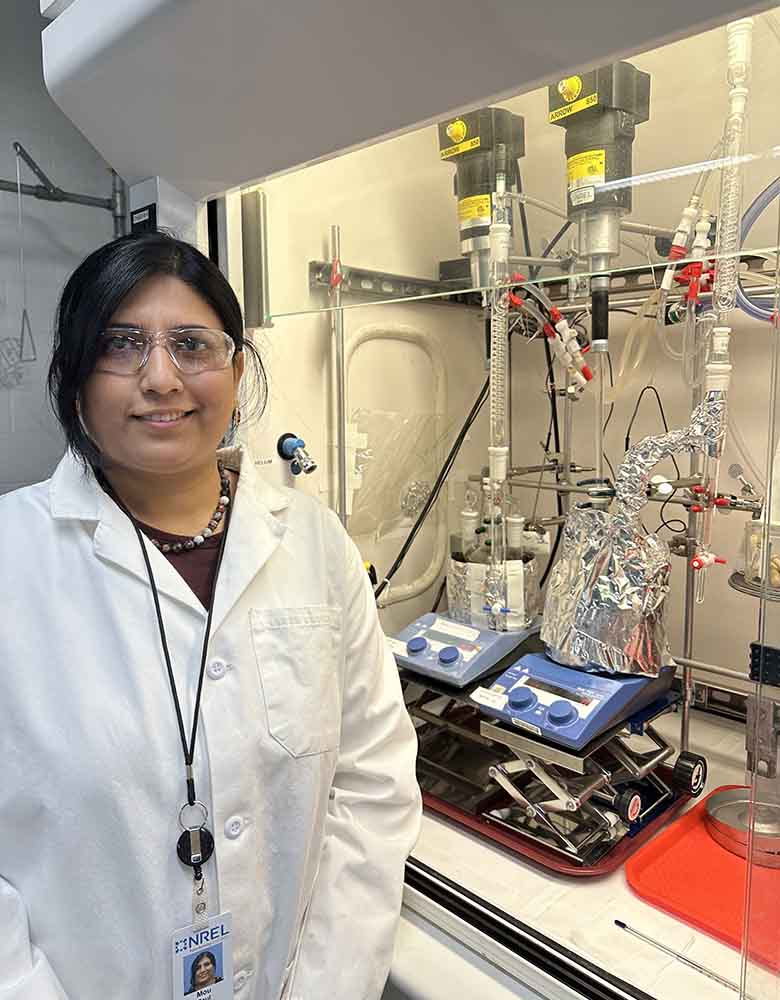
439	595
672	521
650	388
609	417
436	489
668	524
553	397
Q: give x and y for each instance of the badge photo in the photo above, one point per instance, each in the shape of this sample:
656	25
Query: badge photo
203	961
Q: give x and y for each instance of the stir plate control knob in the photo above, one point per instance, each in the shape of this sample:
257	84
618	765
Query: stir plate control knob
521	699
561	713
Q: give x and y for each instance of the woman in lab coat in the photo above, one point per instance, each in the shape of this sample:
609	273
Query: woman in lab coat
303	757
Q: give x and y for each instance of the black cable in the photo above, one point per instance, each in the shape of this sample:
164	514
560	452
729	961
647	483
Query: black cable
553	396
534	271
650	388
439	596
437	486
675	520
609	417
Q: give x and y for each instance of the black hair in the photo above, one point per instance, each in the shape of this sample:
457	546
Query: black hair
93	294
203	954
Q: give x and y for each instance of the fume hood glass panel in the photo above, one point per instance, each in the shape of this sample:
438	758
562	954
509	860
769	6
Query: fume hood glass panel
623	178
415	370
756	822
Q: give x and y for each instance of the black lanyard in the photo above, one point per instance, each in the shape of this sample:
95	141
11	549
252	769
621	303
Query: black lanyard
196	843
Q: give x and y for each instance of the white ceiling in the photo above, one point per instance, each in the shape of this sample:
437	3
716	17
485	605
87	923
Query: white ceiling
211	94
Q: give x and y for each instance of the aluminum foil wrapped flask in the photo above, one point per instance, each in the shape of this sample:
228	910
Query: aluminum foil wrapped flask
605	605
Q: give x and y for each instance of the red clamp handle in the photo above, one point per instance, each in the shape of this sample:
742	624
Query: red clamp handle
722	502
698	562
336	277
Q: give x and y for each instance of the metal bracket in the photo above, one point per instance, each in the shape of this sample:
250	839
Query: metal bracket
764	664
761	737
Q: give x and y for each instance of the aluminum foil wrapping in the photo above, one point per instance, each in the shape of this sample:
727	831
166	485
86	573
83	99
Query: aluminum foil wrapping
606	597
466	586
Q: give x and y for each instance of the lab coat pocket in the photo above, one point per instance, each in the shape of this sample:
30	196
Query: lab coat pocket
297	652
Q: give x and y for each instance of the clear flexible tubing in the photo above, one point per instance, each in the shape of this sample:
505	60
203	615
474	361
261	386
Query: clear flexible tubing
639	333
754	307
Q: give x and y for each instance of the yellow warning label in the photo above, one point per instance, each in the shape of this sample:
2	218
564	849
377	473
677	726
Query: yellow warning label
462	147
587	168
572	109
476	207
585	171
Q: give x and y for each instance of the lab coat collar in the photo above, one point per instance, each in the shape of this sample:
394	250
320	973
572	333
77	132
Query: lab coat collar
254	532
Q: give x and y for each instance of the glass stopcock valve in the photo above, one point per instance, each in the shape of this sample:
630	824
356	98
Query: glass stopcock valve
293	450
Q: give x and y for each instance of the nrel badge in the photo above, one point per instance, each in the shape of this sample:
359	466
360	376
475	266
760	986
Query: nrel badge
203	960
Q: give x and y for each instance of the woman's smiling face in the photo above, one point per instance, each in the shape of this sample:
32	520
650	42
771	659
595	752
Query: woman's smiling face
160	419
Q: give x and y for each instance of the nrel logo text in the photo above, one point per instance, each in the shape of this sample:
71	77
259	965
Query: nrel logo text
199	938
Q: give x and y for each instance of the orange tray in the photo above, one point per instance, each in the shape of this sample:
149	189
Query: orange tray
686	873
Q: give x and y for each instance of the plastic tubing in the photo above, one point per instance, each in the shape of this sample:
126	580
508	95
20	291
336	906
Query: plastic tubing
754	307
745	454
641	327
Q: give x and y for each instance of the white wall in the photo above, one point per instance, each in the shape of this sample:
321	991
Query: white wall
395	206
57	236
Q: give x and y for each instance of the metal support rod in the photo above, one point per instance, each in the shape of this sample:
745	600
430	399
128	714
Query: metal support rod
711	668
537	261
43	194
630	227
19	149
641	229
632	302
119	204
566	490
568	418
337	330
690	591
48	191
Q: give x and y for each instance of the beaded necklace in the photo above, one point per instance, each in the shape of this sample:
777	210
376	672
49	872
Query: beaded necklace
211	527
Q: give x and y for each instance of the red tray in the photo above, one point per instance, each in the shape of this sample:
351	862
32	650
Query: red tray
686	873
538	853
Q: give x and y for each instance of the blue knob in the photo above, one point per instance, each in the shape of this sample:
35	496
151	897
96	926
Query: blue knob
416	645
561	712
521	698
289	444
448	655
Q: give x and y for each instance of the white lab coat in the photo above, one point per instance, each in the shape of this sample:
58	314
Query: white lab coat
305	754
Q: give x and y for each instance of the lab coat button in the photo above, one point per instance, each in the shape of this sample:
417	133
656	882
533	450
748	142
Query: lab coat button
216	669
234	827
239	981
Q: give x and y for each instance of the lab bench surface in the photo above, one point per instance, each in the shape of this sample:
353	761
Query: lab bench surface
580	913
